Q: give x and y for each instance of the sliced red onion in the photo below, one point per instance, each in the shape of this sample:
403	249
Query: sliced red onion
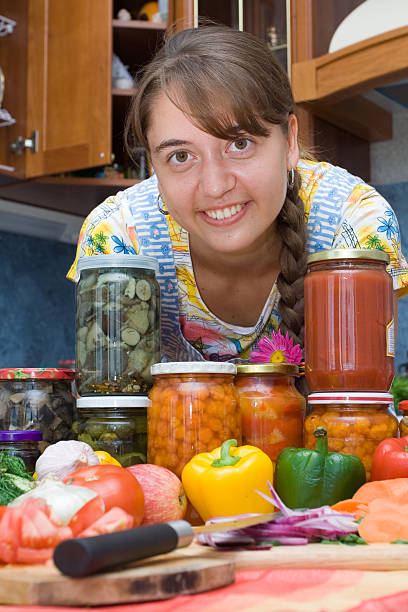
290	527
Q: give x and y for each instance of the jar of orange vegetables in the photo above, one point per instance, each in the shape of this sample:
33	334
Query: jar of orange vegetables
194	409
403	424
272	409
355	422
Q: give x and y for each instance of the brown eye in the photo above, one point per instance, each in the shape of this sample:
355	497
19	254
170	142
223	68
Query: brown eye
241	144
181	156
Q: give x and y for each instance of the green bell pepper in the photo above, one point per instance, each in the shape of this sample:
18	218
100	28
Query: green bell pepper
307	478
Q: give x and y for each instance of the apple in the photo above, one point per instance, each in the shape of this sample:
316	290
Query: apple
163	491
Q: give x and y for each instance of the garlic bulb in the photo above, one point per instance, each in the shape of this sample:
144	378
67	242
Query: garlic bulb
63	458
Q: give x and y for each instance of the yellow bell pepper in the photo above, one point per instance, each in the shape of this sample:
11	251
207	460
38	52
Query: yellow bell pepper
224	481
106	459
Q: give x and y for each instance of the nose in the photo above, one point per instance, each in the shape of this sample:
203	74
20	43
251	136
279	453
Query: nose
216	178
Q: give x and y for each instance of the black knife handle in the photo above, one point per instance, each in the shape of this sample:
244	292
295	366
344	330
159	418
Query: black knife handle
84	556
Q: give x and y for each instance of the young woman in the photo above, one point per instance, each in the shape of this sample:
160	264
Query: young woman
232	209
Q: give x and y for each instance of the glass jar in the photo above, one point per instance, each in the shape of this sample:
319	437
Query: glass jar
38	399
117	324
349	321
403	424
272	409
23	444
115	424
355	422
194	409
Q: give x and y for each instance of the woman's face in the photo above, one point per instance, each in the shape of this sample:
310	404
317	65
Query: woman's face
225	193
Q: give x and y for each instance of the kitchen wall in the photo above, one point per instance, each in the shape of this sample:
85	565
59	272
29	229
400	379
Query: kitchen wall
37	302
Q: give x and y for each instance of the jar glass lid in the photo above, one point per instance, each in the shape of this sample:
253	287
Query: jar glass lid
117	261
352	397
113	401
194	367
37	373
290	369
20	435
329	254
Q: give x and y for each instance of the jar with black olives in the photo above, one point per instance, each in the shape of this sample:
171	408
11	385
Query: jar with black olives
117	324
115	424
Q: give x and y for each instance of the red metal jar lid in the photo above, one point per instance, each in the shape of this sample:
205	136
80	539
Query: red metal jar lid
37	373
351	397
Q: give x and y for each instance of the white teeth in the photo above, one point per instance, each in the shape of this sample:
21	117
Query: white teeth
224	213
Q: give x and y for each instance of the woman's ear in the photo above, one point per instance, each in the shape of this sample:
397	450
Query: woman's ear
292	154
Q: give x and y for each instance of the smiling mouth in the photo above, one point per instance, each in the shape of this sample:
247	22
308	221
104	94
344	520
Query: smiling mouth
224	213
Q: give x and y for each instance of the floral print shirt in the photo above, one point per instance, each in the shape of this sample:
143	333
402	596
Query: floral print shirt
341	211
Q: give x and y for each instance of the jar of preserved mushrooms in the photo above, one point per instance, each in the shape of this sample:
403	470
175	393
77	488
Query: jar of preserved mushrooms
23	444
38	399
117	324
115	424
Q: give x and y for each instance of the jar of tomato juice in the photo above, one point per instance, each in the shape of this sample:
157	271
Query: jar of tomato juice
349	321
272	409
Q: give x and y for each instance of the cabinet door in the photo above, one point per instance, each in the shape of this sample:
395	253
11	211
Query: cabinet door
57	67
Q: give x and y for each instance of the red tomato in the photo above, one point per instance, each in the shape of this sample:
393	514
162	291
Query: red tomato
115	485
87	515
10	528
114	520
33	555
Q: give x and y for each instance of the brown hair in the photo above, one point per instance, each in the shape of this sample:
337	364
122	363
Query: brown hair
228	82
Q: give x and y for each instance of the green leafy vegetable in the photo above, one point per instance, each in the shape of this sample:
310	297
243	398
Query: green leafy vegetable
14	478
400	542
399	389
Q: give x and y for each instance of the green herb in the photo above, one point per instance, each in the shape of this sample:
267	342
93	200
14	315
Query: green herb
399	389
14	478
352	539
400	542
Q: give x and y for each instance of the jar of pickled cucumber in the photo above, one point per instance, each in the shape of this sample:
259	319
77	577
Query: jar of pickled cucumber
115	424
403	424
117	324
272	409
355	422
194	408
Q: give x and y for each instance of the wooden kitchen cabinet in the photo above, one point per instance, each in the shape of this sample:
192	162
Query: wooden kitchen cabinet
57	67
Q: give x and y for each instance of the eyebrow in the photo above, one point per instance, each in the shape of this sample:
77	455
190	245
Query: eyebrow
170	143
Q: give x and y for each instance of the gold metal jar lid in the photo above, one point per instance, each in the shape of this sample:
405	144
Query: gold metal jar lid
329	254
290	369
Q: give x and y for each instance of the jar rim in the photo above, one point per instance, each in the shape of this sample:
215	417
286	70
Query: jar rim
329	254
20	435
352	397
113	401
193	367
37	373
290	369
117	261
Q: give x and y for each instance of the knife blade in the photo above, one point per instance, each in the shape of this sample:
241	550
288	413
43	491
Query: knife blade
84	556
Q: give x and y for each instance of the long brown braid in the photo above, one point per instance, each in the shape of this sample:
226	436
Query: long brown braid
292	229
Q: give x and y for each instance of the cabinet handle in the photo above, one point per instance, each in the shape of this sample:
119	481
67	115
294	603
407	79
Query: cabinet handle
21	143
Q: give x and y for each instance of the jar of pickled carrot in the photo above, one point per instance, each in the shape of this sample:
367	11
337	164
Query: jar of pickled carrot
355	422
403	424
194	409
272	409
349	321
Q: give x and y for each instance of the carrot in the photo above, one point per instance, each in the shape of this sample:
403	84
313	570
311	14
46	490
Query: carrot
386	521
395	489
352	507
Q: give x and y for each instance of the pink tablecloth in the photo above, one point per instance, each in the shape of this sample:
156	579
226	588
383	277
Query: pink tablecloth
285	590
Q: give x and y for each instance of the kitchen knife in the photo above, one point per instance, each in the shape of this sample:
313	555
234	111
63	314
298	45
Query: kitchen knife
84	556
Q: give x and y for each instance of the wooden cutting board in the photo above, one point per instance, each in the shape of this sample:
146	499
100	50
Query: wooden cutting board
153	579
333	556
